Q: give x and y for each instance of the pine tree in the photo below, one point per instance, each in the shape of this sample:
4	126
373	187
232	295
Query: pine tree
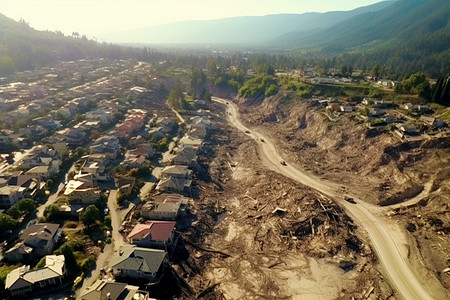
437	89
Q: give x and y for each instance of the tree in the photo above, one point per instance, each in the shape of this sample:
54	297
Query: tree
176	96
107	222
376	72
67	250
7	66
51	213
418	84
27	205
79	152
437	89
95	134
14	212
90	215
7	222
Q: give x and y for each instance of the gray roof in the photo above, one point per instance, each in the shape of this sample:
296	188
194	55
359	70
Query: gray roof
138	259
103	290
44	231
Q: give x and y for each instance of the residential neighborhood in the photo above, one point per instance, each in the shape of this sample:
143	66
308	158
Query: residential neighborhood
90	141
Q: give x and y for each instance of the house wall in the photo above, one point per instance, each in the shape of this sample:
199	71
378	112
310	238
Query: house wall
85	197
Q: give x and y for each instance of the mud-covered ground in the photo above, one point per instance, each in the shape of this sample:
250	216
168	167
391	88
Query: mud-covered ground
262	236
375	165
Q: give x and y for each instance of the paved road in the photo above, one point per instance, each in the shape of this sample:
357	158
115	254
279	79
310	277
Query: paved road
400	275
109	250
52	199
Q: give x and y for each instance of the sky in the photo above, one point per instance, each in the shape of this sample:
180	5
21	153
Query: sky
96	17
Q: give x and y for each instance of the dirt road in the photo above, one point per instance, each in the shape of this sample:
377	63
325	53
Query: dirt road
393	261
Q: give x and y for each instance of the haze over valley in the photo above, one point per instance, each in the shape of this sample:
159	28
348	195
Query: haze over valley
257	150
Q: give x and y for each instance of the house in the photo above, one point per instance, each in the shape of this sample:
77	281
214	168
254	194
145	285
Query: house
74	137
166	124
134	161
346	109
145	150
199	104
107	145
156	134
28	185
152	234
166	209
432	121
160	211
325	80
191	142
24	280
97	169
408	129
41	156
427	120
375	112
423	109
9	195
181	172
48	123
138	263
107	290
88	179
185	157
136	140
104	116
35	241
125	185
198	132
82	191
203	122
175	179
37	132
390	119
41	172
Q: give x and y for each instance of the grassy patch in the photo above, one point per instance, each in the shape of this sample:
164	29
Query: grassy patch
445	115
5	270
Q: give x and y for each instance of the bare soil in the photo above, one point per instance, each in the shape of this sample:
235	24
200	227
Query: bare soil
376	165
260	235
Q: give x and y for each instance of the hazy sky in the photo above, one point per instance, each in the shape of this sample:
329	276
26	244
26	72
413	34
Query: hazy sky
93	17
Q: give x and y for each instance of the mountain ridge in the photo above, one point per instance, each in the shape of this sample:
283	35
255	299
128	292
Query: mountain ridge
237	30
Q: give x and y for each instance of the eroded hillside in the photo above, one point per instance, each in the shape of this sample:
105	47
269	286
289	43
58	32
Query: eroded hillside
374	164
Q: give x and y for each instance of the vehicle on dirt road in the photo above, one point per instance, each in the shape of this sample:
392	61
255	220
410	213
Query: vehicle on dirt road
283	163
349	199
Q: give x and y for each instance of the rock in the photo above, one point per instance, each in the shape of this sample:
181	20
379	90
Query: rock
347	265
411	227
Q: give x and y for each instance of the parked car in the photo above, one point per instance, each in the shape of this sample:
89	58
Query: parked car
283	163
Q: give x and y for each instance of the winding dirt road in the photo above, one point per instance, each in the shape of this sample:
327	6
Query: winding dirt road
393	261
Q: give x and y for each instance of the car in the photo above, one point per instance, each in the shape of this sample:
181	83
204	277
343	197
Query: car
262	140
228	102
283	163
350	199
247	132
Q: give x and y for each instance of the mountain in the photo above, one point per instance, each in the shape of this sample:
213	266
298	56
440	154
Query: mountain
237	30
24	48
403	21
